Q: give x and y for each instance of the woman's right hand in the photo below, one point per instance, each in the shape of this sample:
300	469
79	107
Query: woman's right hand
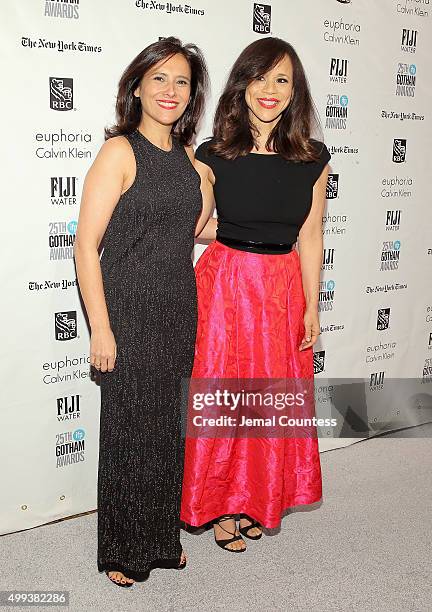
103	349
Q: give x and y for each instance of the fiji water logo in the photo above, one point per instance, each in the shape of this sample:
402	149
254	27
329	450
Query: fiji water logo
376	381
338	70
409	40
328	259
393	218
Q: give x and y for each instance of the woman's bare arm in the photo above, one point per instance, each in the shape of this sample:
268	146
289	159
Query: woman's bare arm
207	181
310	247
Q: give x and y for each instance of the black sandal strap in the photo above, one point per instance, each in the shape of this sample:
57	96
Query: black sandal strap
224	543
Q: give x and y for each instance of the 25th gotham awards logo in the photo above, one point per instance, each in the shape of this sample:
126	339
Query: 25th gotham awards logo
61	239
390	255
406	80
326	295
383	319
61	94
399	150
67	9
332	186
65	325
336	112
262	18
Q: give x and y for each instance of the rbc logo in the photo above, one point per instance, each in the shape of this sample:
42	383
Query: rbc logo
61	93
262	18
65	325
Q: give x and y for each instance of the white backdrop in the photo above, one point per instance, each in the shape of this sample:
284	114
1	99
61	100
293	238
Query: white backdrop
369	67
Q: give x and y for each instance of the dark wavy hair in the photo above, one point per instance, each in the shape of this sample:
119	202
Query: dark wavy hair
234	134
128	106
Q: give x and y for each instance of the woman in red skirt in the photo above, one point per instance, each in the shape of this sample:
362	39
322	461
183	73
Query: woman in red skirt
258	290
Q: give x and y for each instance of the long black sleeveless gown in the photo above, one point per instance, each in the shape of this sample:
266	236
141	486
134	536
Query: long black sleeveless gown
150	291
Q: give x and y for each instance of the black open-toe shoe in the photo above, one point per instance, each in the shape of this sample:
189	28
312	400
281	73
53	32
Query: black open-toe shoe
126	584
244	530
224	543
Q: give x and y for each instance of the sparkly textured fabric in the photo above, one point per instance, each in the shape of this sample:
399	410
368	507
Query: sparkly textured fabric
250	325
150	291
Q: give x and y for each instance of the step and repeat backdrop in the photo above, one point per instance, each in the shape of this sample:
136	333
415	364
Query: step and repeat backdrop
369	68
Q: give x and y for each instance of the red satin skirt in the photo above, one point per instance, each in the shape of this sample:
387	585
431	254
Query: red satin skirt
250	325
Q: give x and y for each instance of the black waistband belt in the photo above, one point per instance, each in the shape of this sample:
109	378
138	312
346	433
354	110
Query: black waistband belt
253	246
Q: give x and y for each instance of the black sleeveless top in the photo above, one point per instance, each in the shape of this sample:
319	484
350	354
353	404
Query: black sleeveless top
261	197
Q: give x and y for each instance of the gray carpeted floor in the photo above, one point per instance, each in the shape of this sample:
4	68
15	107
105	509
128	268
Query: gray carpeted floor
367	547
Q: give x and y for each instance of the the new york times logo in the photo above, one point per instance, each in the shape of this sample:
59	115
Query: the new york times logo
65	9
383	319
61	94
332	186
399	150
262	18
65	324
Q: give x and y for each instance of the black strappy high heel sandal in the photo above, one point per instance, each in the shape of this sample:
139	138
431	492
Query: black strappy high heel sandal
126	584
224	543
244	530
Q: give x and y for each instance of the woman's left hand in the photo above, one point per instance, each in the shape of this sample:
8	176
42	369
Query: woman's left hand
312	328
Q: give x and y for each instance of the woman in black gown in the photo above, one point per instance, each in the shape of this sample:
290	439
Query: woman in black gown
142	196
